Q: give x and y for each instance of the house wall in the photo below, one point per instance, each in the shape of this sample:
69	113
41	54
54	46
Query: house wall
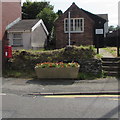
39	37
26	38
10	12
0	58
85	38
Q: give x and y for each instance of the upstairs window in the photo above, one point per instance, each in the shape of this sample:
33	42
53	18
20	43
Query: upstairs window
17	39
77	25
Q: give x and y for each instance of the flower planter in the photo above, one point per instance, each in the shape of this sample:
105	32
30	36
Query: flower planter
68	72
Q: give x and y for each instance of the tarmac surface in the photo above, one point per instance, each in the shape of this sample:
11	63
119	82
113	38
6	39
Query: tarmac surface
19	86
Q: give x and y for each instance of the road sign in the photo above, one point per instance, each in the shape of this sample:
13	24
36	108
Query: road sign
99	31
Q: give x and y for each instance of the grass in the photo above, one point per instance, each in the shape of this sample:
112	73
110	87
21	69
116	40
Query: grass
42	49
19	74
90	76
112	50
32	74
98	56
30	50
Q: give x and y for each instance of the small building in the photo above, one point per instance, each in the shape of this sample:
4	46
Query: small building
83	28
28	34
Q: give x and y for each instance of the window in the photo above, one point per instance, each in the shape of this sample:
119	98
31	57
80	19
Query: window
77	25
17	39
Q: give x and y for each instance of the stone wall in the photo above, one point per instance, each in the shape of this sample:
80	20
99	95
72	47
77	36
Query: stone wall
25	60
93	66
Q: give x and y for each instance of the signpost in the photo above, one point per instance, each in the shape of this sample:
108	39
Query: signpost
69	27
98	32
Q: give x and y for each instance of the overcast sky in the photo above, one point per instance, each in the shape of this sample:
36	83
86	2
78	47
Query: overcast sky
109	7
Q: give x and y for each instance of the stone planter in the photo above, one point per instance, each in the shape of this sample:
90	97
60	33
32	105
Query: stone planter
69	72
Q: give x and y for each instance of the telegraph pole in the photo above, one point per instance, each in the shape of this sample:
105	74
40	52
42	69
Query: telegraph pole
69	29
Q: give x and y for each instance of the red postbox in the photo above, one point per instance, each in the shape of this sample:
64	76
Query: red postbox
8	51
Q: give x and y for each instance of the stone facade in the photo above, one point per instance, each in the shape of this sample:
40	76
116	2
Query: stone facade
93	66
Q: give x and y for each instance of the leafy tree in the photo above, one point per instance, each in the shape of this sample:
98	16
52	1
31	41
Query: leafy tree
32	9
112	28
117	28
48	16
59	12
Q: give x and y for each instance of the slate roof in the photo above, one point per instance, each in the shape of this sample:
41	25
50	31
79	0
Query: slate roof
94	17
104	16
24	25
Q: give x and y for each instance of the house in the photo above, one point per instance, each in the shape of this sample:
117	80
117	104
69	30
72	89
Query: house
28	34
85	28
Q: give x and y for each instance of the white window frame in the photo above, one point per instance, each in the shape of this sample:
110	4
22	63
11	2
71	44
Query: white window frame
19	38
73	28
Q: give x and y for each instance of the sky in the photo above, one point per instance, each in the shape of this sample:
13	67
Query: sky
109	7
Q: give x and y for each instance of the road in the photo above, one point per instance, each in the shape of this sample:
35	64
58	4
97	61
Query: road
17	103
17	106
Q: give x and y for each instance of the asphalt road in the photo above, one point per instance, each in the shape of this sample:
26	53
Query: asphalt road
16	103
15	106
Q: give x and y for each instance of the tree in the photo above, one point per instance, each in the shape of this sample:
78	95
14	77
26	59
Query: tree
117	28
112	28
32	9
59	12
48	16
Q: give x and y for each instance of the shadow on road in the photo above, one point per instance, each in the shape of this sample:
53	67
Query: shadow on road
111	113
51	81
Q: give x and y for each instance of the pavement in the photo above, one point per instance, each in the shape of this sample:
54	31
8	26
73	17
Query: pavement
105	53
19	86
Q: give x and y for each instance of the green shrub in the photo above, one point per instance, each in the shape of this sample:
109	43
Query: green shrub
98	56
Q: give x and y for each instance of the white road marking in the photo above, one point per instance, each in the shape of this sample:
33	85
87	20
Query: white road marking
2	94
